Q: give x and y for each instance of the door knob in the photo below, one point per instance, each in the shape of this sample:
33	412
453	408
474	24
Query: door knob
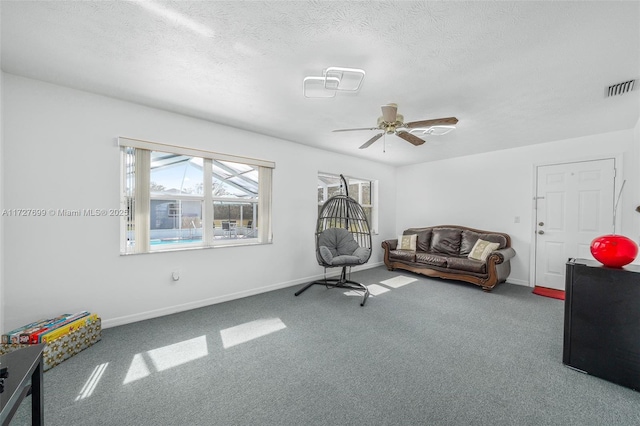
541	224
541	232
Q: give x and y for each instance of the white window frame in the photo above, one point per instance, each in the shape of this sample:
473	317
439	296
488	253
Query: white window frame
142	196
351	180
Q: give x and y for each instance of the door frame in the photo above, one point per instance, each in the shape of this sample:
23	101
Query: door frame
617	183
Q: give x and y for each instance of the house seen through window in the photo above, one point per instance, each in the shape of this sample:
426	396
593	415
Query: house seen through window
362	190
176	199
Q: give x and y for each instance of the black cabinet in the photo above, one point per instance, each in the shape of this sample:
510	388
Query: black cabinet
602	321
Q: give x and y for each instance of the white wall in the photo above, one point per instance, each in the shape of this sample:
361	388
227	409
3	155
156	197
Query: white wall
60	153
635	196
487	191
1	200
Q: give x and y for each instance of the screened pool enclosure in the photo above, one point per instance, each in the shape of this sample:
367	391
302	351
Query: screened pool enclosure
177	200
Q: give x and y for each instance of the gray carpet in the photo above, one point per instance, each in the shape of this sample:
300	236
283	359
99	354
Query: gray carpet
430	352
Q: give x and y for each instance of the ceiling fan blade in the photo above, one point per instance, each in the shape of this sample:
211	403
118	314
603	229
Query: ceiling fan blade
350	130
372	140
448	121
410	138
390	113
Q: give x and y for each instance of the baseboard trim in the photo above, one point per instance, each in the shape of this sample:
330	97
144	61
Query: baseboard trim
518	282
128	319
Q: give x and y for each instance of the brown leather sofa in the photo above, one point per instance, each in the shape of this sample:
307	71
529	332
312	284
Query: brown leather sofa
442	251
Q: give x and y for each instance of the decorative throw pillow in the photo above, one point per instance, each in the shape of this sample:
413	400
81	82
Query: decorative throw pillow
481	250
407	242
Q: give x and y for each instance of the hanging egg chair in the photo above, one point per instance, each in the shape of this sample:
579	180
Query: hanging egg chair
343	240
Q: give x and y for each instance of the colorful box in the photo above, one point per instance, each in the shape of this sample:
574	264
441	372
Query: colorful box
36	337
14	335
60	331
65	346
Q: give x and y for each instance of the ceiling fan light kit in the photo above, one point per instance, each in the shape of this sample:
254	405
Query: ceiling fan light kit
433	131
334	79
393	123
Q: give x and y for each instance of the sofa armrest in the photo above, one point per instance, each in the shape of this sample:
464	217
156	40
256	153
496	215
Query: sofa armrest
390	244
502	255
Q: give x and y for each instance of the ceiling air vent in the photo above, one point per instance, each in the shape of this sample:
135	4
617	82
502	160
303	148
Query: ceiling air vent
620	88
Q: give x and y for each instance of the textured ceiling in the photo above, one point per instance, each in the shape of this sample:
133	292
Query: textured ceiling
513	73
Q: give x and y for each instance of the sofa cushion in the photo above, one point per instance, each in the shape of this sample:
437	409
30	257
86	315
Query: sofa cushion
466	264
446	241
469	239
423	242
431	259
407	242
403	255
481	250
467	242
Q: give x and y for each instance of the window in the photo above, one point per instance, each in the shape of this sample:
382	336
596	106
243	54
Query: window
179	198
364	191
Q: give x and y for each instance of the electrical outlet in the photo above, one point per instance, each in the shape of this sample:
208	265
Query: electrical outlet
516	219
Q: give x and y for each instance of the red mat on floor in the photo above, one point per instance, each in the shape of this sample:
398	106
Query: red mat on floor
549	292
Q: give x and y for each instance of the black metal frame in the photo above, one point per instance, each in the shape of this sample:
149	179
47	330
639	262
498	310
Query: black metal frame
337	212
341	282
25	377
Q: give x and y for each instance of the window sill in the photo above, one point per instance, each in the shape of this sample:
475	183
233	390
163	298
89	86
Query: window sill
220	245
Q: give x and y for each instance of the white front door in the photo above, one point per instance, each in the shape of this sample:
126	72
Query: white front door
574	205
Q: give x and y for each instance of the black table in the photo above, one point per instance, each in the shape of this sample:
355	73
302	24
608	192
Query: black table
25	376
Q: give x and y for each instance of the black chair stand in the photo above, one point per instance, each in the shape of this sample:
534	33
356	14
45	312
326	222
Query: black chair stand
341	282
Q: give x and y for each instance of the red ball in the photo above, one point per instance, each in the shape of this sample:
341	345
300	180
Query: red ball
614	251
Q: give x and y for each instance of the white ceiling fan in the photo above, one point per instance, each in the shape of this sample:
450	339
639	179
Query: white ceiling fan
393	123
